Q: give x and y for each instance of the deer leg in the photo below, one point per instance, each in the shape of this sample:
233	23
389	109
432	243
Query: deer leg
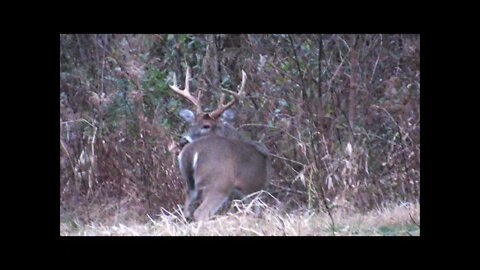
237	194
192	200
212	201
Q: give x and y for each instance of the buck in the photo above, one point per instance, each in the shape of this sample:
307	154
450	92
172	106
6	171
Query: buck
216	162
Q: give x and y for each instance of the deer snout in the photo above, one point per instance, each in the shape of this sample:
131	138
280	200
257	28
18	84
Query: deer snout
183	142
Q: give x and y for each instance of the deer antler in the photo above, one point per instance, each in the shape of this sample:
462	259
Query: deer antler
236	96
186	92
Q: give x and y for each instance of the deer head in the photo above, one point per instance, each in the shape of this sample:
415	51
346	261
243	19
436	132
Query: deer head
216	162
204	123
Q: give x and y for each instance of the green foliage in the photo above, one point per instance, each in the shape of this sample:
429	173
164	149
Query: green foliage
155	89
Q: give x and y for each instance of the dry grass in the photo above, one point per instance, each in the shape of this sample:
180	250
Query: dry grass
399	220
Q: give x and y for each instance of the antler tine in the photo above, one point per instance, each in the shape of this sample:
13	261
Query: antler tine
236	96
186	92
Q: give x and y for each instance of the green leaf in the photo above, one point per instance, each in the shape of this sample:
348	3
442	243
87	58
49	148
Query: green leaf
181	38
165	123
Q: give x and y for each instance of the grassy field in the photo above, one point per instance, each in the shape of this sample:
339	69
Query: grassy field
398	220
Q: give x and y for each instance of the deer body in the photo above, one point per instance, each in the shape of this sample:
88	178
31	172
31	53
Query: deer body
216	162
216	169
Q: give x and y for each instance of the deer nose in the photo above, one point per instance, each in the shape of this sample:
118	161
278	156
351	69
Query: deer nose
183	141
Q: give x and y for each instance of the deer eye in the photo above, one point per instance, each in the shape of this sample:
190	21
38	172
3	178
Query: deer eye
206	126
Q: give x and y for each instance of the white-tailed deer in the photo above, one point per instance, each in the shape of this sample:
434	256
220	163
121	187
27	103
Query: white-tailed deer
216	162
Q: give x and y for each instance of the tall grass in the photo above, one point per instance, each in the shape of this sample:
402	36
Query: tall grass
259	219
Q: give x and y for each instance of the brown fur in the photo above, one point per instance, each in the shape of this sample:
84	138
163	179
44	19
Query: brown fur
223	166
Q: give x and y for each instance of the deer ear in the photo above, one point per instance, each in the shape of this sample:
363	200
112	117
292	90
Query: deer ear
188	115
228	115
